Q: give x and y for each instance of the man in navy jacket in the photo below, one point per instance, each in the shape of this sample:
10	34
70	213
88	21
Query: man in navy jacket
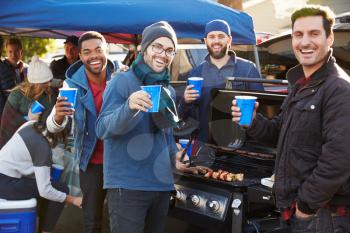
218	65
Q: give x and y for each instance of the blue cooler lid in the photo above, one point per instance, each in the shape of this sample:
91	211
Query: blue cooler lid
17	204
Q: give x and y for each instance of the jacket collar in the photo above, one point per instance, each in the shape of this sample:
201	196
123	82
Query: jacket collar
318	76
20	64
77	70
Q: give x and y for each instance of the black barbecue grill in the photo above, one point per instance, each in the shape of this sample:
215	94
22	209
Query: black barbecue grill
210	205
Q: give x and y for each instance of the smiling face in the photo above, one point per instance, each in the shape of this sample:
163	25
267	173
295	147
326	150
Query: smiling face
159	54
310	44
217	43
93	55
14	54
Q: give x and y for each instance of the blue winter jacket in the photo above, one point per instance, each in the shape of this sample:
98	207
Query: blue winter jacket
85	115
137	155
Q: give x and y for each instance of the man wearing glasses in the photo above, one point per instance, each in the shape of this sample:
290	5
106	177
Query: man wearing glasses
138	153
221	62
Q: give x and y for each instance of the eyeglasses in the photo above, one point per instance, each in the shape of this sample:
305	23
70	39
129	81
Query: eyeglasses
156	48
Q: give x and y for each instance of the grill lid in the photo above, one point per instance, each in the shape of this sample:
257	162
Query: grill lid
228	135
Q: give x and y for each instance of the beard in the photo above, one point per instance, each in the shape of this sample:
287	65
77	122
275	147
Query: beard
217	55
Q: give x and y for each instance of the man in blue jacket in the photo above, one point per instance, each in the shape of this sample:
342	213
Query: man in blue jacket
220	63
89	75
138	153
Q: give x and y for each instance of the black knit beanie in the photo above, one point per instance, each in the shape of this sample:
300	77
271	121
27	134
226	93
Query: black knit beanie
156	30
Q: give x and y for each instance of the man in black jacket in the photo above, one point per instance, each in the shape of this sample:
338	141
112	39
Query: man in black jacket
60	66
312	132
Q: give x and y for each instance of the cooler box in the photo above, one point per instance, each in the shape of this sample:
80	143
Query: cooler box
18	216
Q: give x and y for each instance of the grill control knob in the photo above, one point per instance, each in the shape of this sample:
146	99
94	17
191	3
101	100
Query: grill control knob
194	199
213	205
180	195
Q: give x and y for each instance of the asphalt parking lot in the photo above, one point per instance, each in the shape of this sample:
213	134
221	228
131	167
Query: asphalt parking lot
71	222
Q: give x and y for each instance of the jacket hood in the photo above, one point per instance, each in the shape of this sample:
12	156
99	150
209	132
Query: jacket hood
77	70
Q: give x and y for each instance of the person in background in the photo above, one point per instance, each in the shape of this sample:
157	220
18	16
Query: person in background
3	85
312	132
221	62
14	52
25	163
12	69
1	46
90	76
134	50
139	153
37	88
60	66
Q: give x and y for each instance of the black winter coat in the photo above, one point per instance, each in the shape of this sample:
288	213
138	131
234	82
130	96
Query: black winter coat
312	133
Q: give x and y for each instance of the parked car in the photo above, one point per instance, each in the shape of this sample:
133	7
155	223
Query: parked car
343	20
276	55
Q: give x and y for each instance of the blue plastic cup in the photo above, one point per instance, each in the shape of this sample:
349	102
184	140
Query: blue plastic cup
246	105
56	172
154	92
70	94
197	83
183	143
37	107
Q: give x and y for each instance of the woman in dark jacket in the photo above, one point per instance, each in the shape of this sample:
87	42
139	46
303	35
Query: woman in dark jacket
36	88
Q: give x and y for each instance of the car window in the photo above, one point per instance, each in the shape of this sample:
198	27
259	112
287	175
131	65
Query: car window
187	57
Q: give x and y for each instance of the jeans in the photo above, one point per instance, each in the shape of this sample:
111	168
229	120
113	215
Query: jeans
26	188
91	184
132	211
323	222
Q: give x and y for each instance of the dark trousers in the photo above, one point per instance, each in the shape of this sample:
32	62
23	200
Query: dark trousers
323	222
91	184
132	211
26	188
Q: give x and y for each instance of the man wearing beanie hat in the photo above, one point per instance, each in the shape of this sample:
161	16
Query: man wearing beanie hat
138	153
60	66
89	76
37	88
221	62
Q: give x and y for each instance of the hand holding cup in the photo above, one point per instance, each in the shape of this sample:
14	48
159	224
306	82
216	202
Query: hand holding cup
194	89
236	112
154	94
63	108
190	94
140	101
37	107
70	94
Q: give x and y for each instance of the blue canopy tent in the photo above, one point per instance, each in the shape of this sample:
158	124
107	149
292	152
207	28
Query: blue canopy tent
118	20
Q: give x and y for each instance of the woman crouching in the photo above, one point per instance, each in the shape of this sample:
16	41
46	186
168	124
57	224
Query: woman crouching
25	167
